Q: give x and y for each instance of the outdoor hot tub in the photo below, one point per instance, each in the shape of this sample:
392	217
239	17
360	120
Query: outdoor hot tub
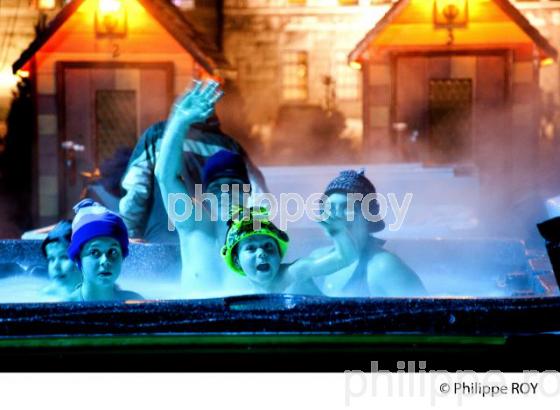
489	311
451	267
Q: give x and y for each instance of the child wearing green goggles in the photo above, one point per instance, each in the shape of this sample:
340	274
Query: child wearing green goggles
254	252
255	247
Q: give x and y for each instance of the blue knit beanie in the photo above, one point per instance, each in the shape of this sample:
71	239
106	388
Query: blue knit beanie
355	182
224	164
93	220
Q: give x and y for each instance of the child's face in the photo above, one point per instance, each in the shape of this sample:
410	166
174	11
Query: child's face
338	205
259	258
101	261
62	270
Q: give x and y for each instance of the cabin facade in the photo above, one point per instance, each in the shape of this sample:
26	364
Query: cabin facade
98	84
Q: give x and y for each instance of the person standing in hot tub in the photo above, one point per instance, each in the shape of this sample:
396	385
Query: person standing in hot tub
203	272
377	273
63	272
98	246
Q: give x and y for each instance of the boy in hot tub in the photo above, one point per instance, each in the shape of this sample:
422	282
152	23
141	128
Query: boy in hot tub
63	272
255	247
201	238
377	272
98	246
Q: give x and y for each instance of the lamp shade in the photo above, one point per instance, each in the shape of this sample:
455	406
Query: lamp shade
451	13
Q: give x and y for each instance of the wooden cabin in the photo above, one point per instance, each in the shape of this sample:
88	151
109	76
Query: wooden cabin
102	72
450	81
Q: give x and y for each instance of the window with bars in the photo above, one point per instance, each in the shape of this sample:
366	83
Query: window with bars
115	119
347	79
294	76
450	116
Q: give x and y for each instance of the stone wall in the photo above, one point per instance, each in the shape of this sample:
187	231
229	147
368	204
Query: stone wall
257	32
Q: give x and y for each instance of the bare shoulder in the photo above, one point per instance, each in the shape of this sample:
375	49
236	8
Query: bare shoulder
388	272
128	295
51	290
75	296
384	261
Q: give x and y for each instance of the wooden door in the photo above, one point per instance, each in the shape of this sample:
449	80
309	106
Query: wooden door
104	107
456	102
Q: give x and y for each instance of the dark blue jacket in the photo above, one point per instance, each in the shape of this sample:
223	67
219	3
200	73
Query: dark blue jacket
142	207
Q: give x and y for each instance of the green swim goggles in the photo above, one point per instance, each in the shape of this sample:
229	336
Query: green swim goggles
247	222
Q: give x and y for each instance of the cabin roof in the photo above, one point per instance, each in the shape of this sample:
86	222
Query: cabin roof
512	12
177	24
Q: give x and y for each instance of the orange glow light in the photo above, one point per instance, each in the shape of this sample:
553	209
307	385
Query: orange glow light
46	4
451	13
355	65
110	18
109	6
547	62
23	73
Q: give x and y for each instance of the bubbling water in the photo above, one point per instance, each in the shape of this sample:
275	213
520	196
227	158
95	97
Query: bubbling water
26	289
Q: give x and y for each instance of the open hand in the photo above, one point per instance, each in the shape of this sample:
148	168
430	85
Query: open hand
197	104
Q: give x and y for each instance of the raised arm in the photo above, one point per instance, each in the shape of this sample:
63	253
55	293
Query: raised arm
345	252
195	106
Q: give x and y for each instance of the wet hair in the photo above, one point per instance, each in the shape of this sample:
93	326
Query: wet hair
62	232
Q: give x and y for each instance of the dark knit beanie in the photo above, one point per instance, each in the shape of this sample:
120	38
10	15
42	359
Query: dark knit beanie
93	220
355	182
224	164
